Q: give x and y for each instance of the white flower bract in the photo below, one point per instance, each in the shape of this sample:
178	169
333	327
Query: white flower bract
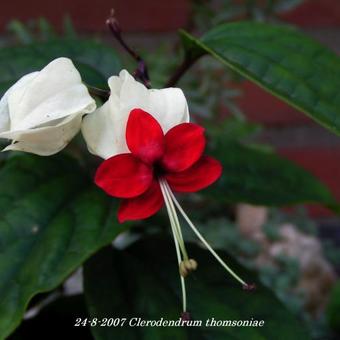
43	110
104	130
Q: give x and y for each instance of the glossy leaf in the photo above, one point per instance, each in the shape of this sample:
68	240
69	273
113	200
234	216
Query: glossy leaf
143	282
51	220
283	61
95	61
261	177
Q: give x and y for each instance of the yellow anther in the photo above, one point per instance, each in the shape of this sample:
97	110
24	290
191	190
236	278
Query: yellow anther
187	266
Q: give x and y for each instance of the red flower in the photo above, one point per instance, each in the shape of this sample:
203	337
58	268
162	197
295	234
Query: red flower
175	157
158	165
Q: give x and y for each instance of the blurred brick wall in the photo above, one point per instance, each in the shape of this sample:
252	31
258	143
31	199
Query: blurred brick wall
294	135
134	15
298	137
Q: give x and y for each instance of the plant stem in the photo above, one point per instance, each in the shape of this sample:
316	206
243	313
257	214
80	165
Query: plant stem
186	64
141	71
95	91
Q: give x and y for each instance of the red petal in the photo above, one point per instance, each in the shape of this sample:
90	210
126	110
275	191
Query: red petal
124	176
144	136
184	145
203	173
142	206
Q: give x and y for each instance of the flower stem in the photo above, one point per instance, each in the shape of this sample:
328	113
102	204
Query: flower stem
141	71
95	91
186	64
202	239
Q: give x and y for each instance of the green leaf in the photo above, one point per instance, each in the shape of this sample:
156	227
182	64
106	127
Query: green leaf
51	220
68	28
21	32
46	29
143	281
95	61
280	59
261	177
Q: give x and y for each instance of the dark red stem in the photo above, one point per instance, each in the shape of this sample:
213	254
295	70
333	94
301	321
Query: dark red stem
186	64
141	71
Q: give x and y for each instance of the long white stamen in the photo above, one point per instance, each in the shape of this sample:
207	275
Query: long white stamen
174	219
177	225
198	234
175	235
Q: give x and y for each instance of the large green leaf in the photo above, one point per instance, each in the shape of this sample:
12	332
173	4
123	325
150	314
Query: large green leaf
261	177
283	61
143	282
95	61
51	219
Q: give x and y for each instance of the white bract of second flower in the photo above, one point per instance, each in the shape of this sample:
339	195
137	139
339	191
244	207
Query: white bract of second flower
43	110
104	130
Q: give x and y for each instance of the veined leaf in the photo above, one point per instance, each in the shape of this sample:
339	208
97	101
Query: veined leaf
51	220
283	61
